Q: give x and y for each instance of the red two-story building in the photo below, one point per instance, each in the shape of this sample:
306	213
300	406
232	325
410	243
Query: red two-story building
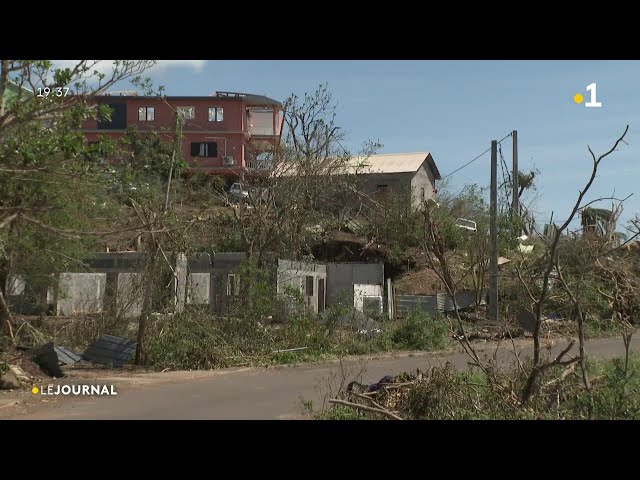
226	133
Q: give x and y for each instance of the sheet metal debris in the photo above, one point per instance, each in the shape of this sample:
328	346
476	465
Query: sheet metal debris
66	357
110	350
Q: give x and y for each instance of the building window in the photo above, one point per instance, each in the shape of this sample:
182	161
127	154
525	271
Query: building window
146	114
116	119
187	113
216	114
204	149
422	194
308	288
233	285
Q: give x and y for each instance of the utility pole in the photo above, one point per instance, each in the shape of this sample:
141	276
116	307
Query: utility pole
515	201
493	232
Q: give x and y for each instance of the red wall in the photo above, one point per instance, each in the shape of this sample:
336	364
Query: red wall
233	113
230	134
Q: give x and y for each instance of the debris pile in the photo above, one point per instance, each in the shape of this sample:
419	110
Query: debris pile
29	365
382	399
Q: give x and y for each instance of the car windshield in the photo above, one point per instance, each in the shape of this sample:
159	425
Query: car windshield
465	223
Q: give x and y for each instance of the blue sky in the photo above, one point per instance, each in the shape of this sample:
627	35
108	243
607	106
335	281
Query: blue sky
455	108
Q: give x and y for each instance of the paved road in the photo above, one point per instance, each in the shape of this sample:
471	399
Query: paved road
253	393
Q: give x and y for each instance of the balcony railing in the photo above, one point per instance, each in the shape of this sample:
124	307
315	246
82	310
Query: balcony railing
259	164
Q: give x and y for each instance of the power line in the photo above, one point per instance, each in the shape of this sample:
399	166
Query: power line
476	158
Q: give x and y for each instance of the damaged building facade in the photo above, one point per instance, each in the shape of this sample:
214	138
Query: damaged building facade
114	282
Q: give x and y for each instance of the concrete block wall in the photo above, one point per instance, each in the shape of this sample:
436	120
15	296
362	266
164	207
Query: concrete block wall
81	293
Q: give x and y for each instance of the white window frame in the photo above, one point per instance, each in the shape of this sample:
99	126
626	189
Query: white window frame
218	114
186	108
146	114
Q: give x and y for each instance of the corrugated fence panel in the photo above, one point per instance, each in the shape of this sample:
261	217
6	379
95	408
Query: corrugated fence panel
442	302
408	303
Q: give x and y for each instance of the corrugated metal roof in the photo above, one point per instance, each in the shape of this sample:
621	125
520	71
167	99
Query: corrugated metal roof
389	162
382	163
66	357
110	350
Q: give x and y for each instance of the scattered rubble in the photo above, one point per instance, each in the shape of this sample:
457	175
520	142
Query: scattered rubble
20	374
9	381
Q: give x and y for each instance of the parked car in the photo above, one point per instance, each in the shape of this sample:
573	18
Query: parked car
466	224
238	191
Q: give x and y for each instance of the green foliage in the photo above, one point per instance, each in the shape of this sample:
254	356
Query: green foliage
188	341
257	291
420	332
148	154
454	237
396	223
340	412
617	397
196	339
229	242
52	192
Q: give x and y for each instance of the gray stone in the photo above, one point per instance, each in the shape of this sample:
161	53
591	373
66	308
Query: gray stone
9	381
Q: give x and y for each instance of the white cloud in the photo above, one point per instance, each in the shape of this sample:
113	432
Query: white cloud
196	65
105	66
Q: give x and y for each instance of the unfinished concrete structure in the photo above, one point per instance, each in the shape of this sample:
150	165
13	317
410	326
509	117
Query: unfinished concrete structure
105	282
81	293
114	282
357	284
199	285
307	278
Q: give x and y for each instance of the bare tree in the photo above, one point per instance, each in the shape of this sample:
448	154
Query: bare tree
49	194
552	264
312	179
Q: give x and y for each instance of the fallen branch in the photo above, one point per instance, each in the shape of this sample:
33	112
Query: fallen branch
383	412
364	397
290	350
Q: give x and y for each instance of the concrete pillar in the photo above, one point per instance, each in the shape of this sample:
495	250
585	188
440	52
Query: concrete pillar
179	293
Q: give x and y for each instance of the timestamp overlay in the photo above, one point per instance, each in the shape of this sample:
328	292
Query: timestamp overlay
44	92
578	98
